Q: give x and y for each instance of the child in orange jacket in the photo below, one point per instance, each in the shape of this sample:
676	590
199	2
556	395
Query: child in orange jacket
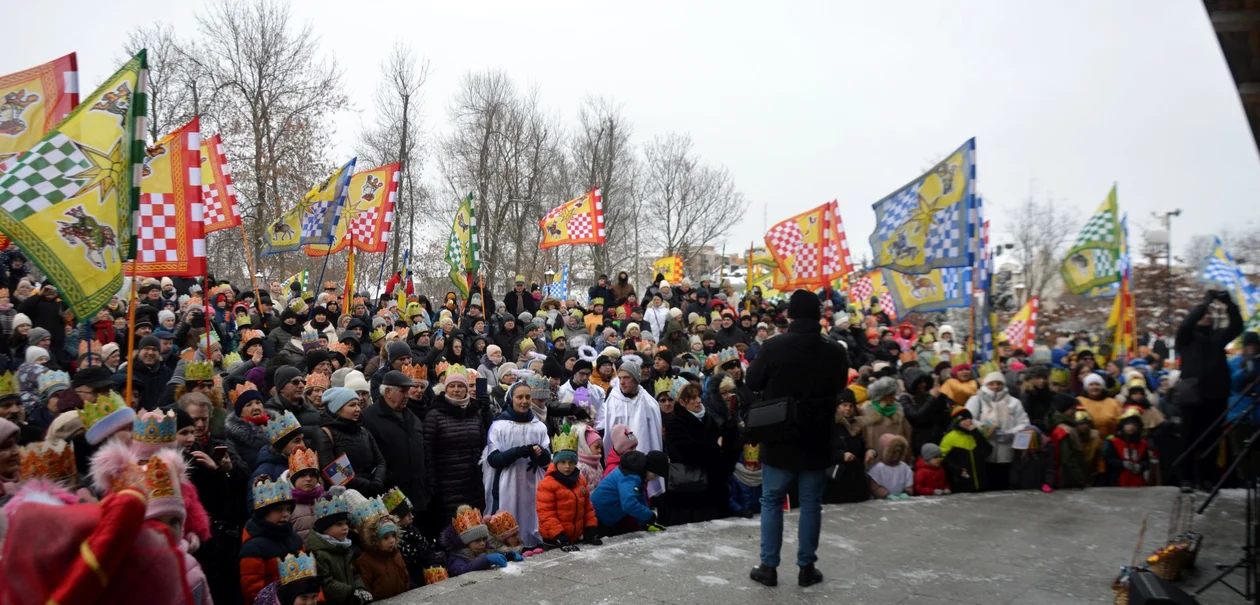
565	513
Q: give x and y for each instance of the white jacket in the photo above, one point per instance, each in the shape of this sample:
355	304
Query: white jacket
656	318
1008	417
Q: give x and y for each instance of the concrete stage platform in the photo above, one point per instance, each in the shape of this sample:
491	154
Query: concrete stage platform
1025	548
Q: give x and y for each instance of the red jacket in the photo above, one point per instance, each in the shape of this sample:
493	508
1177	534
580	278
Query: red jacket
928	478
564	510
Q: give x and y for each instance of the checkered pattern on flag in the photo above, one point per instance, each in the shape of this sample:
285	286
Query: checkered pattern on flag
33	102
368	215
811	248
1219	270
559	287
577	221
924	224
217	191
671	267
1021	332
861	290
1093	262
69	202
170	230
463	249
313	220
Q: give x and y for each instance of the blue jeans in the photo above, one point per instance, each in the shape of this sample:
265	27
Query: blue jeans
774	486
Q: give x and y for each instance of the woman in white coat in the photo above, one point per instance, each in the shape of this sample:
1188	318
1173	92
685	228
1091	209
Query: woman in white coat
1000	416
515	460
656	316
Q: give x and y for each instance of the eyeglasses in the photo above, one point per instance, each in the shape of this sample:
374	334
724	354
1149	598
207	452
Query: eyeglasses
298	381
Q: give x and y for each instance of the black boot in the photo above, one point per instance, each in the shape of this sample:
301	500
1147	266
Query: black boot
809	576
767	576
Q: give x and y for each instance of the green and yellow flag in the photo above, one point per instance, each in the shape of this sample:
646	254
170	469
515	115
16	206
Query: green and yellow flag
69	201
1093	263
463	253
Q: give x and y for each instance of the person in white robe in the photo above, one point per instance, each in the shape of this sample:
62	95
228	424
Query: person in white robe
515	460
630	404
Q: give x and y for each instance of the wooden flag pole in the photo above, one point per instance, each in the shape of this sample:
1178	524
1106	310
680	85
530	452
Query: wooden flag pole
320	282
249	260
131	334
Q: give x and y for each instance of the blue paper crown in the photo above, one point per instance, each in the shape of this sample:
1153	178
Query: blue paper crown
676	387
327	507
727	355
267	493
279	427
48	380
297	567
367	511
153	427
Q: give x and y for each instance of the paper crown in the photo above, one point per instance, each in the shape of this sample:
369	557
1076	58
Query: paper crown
662	386
280	426
317	380
456	369
327	507
94	346
598	300
557	335
205	342
339	347
441	368
433	575
157	476
297	567
57	378
469	525
102	407
565	440
328	285
198	371
310	337
416	371
53	460
231	359
9	385
376	335
248	335
692	368
393	498
154	427
367	511
1059	375
1080	416
539	388
297	305
268	493
752	453
727	355
675	388
241	389
243	320
502	525
303	459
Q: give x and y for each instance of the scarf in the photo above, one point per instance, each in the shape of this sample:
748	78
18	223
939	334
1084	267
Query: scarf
342	544
459	403
887	411
591	460
320	326
258	420
510	414
104	330
747	477
699	415
568	481
309	497
539	411
294	330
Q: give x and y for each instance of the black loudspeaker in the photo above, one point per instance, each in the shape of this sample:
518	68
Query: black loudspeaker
1146	588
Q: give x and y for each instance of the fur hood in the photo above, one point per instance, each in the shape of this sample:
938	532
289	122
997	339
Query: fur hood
892	448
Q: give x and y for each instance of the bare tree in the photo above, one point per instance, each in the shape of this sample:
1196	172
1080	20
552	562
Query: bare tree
603	156
1041	232
689	205
174	83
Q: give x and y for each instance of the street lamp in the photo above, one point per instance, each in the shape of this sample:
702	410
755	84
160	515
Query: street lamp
1165	219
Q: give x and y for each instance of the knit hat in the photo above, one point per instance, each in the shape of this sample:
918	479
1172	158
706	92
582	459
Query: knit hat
623	440
930	451
339	377
337	398
959	368
242	395
501	372
632	366
960	414
37	334
804	305
109	350
469	525
149	341
884	387
33	353
284	375
65	426
21	320
1093	379
355	381
397	350
994	377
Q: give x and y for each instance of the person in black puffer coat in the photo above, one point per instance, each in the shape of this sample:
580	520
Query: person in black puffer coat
399	436
925	408
455	432
342	432
846	477
695	437
1040	400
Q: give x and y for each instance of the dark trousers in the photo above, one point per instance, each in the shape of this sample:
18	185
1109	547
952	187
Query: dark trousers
1200	467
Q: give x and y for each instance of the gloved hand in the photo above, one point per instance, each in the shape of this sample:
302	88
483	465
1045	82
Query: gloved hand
654	528
514	556
1046	488
362	595
591	537
497	560
524	451
565	543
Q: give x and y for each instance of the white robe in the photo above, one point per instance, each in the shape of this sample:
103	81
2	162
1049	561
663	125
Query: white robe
642	415
518	486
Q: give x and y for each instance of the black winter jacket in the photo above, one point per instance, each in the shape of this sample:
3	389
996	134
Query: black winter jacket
454	438
812	369
1202	352
351	439
399	437
846	481
307	415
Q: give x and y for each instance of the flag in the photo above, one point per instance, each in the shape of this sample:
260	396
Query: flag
69	201
463	251
923	225
810	248
405	281
1218	270
32	102
1021	332
368	214
671	267
1093	261
936	290
577	221
302	278
559	286
171	229
314	219
860	291
217	191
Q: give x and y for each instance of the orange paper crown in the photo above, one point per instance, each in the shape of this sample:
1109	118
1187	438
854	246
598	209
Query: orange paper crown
248	335
339	347
441	368
317	380
240	390
92	347
502	525
467	520
157	476
303	459
53	460
416	371
433	575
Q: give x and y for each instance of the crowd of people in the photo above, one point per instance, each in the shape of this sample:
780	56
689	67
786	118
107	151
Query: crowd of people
276	447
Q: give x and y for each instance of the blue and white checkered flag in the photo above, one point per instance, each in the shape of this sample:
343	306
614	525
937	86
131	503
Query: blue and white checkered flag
1219	270
559	288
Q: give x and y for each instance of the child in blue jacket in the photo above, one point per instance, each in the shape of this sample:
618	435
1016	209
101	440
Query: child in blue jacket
621	504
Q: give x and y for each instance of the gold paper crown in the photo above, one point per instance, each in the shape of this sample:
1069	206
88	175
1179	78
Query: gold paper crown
303	459
317	380
1131	412
297	567
243	320
241	389
752	453
557	335
231	359
1059	375
433	575
102	407
416	371
130	476
267	493
502	524
376	335
198	371
598	300
9	385
53	460
564	441
441	368
1081	416
392	499
157	476
662	386
466	518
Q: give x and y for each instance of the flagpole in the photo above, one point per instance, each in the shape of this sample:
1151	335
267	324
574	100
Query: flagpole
320	282
131	333
253	279
87	339
346	297
380	278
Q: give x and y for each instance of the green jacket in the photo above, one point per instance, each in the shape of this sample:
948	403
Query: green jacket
964	454
333	562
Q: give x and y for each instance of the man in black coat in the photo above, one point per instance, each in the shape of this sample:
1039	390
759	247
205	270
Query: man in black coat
400	437
1203	391
520	300
810	369
601	291
150	373
289	382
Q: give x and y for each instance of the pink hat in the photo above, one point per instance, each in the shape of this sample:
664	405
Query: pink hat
1015	365
623	440
592	436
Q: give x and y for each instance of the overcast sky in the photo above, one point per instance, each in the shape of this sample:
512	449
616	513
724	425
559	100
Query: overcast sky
806	102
